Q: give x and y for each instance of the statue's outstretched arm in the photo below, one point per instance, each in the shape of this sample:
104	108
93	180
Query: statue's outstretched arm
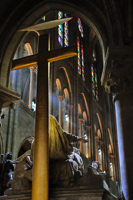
74	138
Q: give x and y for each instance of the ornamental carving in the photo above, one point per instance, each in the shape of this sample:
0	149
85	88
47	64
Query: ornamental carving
119	76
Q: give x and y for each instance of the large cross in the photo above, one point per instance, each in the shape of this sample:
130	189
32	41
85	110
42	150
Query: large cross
40	181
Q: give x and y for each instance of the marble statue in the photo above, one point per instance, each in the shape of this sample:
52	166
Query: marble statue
66	163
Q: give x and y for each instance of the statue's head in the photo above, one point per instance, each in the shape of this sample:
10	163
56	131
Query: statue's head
9	155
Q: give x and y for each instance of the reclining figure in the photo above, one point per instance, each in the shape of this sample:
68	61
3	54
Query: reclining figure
66	163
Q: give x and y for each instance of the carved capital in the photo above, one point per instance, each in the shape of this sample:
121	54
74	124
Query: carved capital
60	98
70	107
118	73
88	128
33	69
111	155
80	121
96	138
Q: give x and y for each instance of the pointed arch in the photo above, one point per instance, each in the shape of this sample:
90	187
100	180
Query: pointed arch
29	49
68	80
79	109
110	138
86	105
66	93
85	116
58	83
100	124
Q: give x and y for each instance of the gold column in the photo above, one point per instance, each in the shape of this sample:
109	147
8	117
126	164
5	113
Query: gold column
80	132
41	155
60	98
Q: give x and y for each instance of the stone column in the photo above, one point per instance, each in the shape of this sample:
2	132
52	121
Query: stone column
88	144
119	82
32	70
70	107
80	132
102	152
60	98
96	147
113	165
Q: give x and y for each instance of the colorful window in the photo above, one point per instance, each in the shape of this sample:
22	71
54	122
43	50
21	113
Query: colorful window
80	49
94	55
80	27
94	77
63	37
43	18
66	32
82	56
79	59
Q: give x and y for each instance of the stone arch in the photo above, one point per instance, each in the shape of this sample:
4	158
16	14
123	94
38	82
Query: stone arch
84	116
66	93
25	145
100	124
68	81
29	48
32	16
58	83
86	106
79	110
110	146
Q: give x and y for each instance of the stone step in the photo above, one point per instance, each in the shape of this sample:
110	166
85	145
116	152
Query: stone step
77	193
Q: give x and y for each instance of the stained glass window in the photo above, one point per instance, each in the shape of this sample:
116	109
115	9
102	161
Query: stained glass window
80	47
96	88
94	77
82	55
79	59
93	80
43	18
80	27
66	39
63	38
94	55
60	29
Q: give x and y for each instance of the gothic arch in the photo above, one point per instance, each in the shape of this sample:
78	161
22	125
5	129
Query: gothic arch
111	148
79	110
66	93
86	106
58	83
68	81
25	145
100	124
35	12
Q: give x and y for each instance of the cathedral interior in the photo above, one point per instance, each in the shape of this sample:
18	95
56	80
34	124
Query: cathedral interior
90	94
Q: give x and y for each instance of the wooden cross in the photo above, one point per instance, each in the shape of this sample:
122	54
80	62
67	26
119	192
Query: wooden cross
40	182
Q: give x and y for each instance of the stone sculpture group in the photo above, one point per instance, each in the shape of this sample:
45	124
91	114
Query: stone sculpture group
66	164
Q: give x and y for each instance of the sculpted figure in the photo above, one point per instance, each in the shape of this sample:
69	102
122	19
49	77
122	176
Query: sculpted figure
6	172
65	161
